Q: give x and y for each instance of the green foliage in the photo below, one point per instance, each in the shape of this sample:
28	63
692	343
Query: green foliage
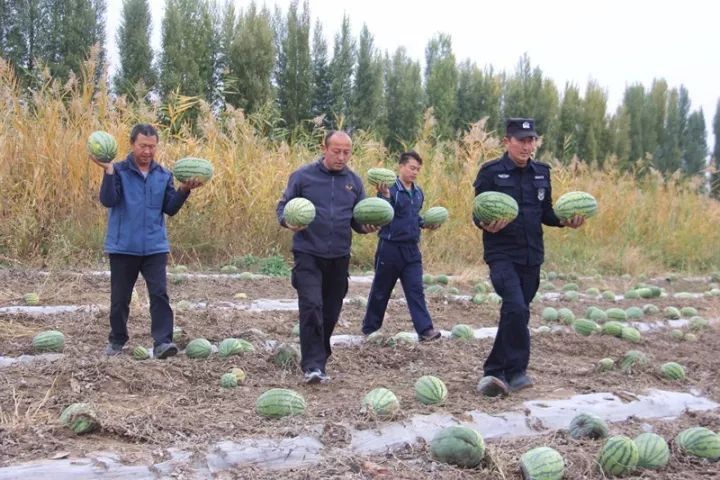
441	75
275	266
294	71
321	97
368	87
341	71
404	99
136	56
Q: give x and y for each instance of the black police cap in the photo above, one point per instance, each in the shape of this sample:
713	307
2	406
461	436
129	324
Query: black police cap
520	128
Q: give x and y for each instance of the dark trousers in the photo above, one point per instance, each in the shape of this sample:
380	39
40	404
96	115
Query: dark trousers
395	261
124	270
517	285
321	285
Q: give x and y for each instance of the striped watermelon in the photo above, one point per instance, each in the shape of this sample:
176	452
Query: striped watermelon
80	418
608	295
376	338
299	212
587	425
632	294
286	355
633	360
229	269
633	313
373	211
585	327
596	314
605	364
650	309
430	390
31	299
401	339
198	348
542	463
377	176
671	313
228	380
461	446
566	316
550	314
234	346
462	332
619	456
434	216
652	449
616	314
191	168
612	328
699	442
491	206
140	353
49	341
239	374
677	334
698	323
570	287
575	203
630	334
644	292
672	371
102	146
280	402
381	402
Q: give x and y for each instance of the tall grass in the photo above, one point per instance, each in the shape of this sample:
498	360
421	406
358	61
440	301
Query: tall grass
50	215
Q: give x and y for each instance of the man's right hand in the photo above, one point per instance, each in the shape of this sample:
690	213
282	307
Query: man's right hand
107	166
383	189
494	227
295	228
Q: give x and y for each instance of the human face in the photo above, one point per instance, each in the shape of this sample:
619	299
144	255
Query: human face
337	152
520	149
409	171
143	149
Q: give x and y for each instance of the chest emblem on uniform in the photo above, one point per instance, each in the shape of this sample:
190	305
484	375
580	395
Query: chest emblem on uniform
503	175
539	177
541	194
349	187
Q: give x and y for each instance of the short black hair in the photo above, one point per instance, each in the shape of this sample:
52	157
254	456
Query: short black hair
407	156
330	133
143	129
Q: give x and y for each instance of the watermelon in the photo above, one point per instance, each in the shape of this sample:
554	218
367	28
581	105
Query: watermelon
480	287
183	306
80	418
430	390
234	346
191	168
378	176
605	364
401	339
198	348
645	292
543	329
228	380
566	316
632	294
381	402
49	341
633	313
585	327
479	299
650	309
619	456
608	295
179	269
229	269
652	449
140	353
491	206
587	425
630	334
376	338
462	332
571	295
592	291
575	203
547	285
699	442
286	355
550	314
671	313
280	402
570	287
542	463
596	314
296	330
698	323
633	360
299	212
434	290
102	146
461	446
616	314
239	374
442	279
690	337
434	216
428	279
672	371
677	334
373	211
31	299
612	328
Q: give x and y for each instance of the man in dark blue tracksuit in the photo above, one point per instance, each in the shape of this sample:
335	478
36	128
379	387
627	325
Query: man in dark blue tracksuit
322	249
398	254
139	193
514	251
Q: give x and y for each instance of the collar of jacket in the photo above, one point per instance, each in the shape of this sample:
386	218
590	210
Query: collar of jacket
507	162
401	187
324	169
133	166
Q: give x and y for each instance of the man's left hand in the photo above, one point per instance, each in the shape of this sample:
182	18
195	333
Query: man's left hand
371	228
574	222
190	185
432	227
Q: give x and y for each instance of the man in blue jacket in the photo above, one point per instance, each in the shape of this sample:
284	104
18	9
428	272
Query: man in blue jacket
514	251
398	254
139	193
322	249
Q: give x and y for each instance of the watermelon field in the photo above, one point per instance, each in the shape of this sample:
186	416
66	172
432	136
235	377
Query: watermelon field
172	418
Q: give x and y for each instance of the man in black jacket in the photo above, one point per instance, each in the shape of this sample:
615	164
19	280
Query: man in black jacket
322	250
514	251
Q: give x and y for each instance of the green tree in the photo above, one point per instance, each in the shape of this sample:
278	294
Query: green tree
136	55
695	144
321	96
478	97
594	137
569	136
341	72
294	77
404	99
654	114
188	49
441	83
251	60
367	100
669	156
716	152
633	103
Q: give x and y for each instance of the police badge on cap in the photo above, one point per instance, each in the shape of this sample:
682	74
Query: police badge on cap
520	128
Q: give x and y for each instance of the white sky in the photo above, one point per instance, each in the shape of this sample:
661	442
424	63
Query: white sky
617	43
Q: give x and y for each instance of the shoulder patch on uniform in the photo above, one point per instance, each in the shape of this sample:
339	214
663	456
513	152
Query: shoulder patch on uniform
490	163
542	164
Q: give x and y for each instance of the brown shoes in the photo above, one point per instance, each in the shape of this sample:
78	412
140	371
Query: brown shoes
429	335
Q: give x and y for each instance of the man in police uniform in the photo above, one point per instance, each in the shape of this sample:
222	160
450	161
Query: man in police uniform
514	251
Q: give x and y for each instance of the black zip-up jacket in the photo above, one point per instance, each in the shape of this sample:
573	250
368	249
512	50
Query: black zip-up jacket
522	240
334	195
406	224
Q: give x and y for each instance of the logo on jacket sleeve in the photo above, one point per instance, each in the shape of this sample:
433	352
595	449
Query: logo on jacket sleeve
541	194
349	187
